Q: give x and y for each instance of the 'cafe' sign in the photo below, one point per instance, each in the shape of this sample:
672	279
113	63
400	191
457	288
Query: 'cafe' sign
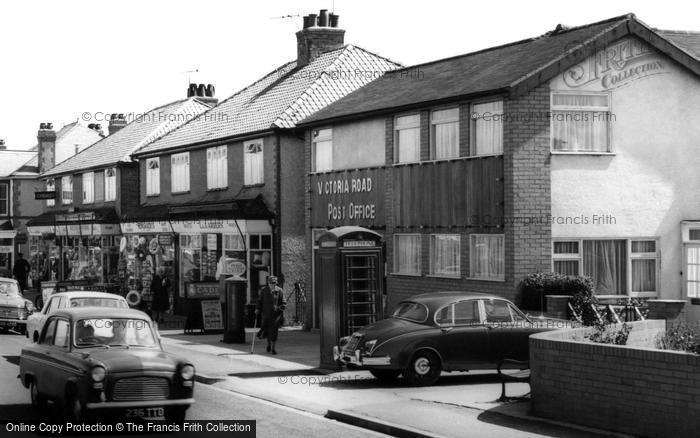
348	198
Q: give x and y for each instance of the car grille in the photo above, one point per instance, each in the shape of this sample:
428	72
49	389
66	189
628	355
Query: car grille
11	312
141	388
353	344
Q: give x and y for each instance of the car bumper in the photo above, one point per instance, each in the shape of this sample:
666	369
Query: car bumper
140	404
7	322
359	360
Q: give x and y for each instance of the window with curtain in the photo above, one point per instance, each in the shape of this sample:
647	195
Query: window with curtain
88	188
487	128
153	176
67	190
445	255
111	184
180	172
407	249
566	257
487	256
606	262
217	167
253	162
50	187
580	122
99	186
4	199
407	139
444	134
644	264
323	150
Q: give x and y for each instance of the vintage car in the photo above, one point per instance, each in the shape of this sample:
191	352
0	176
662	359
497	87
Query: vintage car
62	300
14	308
97	361
441	331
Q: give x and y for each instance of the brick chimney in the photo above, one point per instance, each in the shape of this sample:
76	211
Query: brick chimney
203	93
116	122
47	147
2	145
320	34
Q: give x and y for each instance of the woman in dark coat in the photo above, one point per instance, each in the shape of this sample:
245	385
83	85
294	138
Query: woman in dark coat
160	286
271	306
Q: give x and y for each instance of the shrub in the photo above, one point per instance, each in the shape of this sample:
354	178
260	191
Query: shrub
536	286
680	337
606	334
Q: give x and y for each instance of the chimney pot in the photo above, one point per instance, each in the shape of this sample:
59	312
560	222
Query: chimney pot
333	20
323	18
313	20
315	40
49	126
210	90
200	90
192	90
42	125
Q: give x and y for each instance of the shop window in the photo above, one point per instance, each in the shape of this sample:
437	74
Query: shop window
4	199
487	257
67	190
153	176
110	184
190	259
407	249
444	134
180	172
253	162
445	255
50	187
217	168
99	186
234	252
407	139
260	247
580	122
323	150
88	188
487	128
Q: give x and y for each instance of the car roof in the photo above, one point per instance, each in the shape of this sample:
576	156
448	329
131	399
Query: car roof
432	299
88	294
100	312
7	280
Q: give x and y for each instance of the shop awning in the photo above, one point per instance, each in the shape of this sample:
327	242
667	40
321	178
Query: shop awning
94	222
7	231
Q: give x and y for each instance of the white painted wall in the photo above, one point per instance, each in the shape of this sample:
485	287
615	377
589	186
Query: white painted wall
652	182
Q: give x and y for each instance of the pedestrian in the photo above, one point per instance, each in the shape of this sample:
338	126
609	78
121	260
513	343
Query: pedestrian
160	286
271	307
21	271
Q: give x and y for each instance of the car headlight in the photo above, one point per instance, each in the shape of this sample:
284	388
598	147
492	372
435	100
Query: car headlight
187	372
98	374
369	345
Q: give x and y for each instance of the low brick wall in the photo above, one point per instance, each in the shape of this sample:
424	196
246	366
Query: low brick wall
632	389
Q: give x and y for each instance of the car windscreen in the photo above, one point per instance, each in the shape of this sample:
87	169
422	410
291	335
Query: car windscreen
97	302
113	332
411	311
9	288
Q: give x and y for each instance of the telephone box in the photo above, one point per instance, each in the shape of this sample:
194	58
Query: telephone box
350	284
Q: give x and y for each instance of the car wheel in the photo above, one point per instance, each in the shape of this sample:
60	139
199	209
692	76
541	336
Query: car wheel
35	337
75	411
38	400
423	369
385	375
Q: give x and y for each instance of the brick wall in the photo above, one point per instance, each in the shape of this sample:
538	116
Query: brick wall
128	189
629	389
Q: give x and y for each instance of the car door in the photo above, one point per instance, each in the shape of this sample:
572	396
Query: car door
508	331
62	368
464	341
44	370
49	307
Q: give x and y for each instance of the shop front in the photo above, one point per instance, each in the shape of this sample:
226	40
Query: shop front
7	244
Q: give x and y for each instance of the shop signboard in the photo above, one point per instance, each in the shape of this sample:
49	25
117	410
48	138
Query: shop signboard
352	197
211	315
234	267
165	239
227	226
44	195
203	290
76	217
146	227
5	248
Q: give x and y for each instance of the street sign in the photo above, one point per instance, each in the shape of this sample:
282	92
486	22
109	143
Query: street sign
45	195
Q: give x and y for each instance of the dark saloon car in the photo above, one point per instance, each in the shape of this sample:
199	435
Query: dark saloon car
441	331
14	308
107	362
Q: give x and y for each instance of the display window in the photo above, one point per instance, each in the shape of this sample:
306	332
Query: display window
143	259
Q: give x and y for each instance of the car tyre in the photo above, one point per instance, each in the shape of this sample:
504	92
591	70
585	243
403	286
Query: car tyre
385	375
39	401
75	411
423	369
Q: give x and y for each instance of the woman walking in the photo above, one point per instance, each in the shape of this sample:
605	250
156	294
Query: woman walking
271	306
160	285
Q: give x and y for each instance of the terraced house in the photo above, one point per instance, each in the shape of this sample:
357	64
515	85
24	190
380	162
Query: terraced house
231	181
573	152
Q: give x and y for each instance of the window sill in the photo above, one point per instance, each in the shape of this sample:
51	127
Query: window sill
401	274
186	192
217	189
152	195
492	280
450	277
253	185
583	153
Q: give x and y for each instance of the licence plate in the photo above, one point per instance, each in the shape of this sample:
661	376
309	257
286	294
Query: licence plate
6	323
146	413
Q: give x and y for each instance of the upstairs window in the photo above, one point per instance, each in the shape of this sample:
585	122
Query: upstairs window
323	150
217	168
487	128
407	139
88	188
153	176
253	162
580	122
4	199
111	184
67	190
50	187
444	134
180	172
99	186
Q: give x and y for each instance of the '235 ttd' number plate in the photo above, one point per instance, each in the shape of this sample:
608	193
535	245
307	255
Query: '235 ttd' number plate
146	413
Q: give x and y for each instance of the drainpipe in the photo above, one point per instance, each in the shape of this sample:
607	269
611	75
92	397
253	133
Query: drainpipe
277	230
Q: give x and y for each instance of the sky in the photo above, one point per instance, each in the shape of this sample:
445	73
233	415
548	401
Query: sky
60	59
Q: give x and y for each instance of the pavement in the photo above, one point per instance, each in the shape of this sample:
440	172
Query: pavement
460	404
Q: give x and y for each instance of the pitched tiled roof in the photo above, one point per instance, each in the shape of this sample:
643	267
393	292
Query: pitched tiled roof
11	160
66	139
119	146
281	98
688	41
509	68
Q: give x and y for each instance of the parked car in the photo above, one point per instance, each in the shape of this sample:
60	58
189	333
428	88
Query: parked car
14	308
441	331
107	362
62	300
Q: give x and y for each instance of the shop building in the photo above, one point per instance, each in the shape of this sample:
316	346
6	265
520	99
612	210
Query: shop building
78	237
231	181
568	152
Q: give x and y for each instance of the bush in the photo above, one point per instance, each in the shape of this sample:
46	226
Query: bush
604	334
536	286
680	337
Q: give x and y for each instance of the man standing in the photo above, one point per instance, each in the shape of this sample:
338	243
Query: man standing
271	306
21	271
